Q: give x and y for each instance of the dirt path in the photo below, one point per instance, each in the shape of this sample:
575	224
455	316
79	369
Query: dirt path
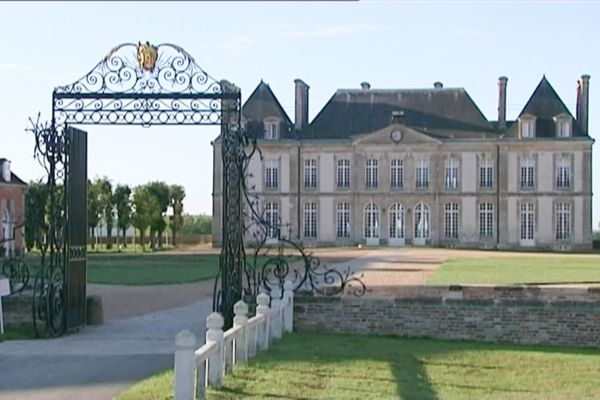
120	302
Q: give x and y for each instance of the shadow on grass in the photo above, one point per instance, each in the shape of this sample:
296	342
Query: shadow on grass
313	365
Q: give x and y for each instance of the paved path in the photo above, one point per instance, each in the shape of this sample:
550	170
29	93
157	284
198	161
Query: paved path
98	362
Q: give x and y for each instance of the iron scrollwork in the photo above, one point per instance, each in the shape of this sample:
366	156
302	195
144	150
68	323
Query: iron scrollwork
142	84
48	287
275	257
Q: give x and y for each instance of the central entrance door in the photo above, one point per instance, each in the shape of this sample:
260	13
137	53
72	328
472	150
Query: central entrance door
396	225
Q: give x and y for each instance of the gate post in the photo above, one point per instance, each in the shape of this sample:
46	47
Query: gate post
231	261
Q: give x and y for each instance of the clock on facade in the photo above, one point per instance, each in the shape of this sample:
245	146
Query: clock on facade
396	136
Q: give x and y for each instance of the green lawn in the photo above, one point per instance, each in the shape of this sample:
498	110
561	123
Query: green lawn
151	269
143	268
326	366
22	332
519	270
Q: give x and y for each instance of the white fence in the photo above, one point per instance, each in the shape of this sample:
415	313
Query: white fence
195	368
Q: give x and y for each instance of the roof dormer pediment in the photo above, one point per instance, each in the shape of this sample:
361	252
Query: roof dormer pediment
395	134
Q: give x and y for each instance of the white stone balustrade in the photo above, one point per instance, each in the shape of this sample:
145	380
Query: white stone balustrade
195	368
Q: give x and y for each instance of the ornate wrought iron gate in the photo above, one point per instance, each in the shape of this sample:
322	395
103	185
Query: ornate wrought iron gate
143	84
134	84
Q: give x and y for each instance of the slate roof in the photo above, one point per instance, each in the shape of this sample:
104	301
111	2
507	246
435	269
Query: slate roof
440	113
545	104
261	104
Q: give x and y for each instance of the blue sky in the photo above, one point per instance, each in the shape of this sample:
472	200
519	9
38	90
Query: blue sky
328	45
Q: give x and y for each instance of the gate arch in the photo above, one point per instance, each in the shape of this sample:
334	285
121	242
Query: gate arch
143	84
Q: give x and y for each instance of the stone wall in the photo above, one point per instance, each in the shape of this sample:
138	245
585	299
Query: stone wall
18	309
520	315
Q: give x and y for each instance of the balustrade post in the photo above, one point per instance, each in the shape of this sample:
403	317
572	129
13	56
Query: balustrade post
240	309
288	312
276	314
185	346
214	333
251	336
262	332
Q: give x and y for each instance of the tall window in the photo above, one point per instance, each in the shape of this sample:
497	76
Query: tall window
486	173
310	173
451	174
343	173
421	221
527	222
527	173
563	173
451	220
372	173
271	174
528	128
310	220
422	171
272	219
396	221
397	173
371	221
563	221
563	127
271	131
343	220
486	220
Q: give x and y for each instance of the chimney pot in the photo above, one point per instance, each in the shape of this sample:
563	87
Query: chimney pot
438	85
365	85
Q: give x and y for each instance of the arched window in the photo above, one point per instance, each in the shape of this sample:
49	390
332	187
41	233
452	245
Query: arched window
396	221
421	222
371	221
272	220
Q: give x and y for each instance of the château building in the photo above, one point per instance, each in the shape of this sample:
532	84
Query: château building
421	167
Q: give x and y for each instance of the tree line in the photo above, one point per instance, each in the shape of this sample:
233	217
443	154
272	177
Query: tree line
143	207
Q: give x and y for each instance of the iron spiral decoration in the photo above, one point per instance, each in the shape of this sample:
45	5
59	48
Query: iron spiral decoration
48	286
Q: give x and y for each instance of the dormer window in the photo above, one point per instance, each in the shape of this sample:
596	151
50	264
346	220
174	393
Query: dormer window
564	125
527	126
271	130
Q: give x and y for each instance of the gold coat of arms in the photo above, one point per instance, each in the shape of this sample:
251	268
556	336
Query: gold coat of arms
147	55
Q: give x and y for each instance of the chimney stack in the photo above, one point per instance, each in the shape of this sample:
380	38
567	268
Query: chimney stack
301	119
438	85
502	102
583	95
6	175
365	85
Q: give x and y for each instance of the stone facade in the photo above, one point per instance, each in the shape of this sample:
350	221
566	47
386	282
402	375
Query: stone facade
459	205
549	316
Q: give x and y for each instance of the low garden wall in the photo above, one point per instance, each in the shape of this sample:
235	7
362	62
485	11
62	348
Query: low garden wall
520	315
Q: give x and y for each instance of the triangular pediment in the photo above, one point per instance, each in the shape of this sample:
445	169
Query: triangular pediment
395	134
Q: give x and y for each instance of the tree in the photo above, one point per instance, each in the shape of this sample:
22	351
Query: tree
145	204
197	225
160	191
36	226
94	210
122	201
105	195
176	195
